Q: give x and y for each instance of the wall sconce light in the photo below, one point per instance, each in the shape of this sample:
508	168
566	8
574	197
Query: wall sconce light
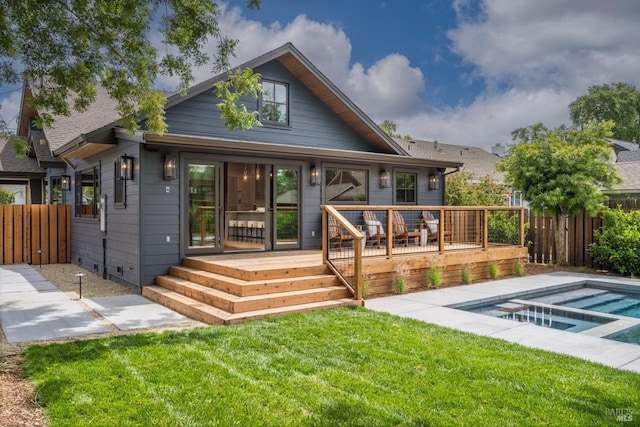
170	170
385	179
257	172
125	167
314	175
434	181
65	182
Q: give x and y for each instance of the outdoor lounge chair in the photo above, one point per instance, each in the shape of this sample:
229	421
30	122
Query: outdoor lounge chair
432	225
375	230
401	229
336	233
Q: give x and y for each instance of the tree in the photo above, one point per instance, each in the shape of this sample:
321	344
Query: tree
65	48
619	102
389	128
560	172
461	190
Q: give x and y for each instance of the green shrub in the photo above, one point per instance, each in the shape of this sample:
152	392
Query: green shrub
617	244
399	284
435	277
364	287
504	228
494	270
6	198
466	275
518	268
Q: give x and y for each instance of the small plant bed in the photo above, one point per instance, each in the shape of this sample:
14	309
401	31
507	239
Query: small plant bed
335	367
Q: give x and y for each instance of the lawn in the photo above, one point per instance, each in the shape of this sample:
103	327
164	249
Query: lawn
335	367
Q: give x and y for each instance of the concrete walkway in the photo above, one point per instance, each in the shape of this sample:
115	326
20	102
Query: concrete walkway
33	309
431	307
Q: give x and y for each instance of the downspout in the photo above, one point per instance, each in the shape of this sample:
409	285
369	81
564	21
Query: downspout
444	182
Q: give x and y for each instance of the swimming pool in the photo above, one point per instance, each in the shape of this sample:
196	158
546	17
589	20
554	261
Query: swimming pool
586	306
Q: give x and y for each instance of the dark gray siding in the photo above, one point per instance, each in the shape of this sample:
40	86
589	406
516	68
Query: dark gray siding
160	217
311	122
117	252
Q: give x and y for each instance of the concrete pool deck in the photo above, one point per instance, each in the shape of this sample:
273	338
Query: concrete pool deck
432	307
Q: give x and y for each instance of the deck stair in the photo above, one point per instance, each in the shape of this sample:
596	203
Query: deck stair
227	290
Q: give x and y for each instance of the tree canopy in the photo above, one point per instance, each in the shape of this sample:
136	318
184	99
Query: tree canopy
65	48
389	128
561	171
461	190
6	198
618	102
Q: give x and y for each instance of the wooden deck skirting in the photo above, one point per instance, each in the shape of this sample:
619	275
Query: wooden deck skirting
475	252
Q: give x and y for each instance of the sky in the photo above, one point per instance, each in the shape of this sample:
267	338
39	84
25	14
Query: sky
464	72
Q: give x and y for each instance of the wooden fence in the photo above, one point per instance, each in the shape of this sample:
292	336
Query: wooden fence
578	234
35	234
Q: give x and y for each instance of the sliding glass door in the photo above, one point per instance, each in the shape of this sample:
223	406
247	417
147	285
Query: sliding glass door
286	212
203	207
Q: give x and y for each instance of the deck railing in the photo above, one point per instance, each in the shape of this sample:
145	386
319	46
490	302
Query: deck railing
353	232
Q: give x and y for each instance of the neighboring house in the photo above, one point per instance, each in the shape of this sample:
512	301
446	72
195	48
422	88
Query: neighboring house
629	189
480	163
142	202
23	177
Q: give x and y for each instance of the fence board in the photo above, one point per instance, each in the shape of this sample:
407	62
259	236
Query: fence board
27	229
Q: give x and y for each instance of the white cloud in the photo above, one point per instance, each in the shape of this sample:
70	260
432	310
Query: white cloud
533	57
10	107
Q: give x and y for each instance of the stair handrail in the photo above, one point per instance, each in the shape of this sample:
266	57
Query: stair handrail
355	286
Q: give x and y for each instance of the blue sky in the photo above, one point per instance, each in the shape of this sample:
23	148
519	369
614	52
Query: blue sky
465	72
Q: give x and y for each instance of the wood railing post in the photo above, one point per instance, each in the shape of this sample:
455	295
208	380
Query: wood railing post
441	220
390	233
485	230
521	217
325	245
357	267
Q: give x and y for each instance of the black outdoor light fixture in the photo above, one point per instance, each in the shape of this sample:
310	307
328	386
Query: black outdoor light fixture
170	170
65	182
314	175
434	181
385	179
125	168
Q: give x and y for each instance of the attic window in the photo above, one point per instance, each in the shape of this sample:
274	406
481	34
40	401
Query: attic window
274	108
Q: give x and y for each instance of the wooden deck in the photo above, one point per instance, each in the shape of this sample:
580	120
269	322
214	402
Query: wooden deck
226	289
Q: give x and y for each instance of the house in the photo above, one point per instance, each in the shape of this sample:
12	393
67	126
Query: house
477	161
22	177
141	203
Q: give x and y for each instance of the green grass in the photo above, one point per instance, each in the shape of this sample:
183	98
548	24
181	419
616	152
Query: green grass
334	367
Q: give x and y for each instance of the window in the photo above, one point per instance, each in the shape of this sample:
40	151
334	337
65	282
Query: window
406	188
275	102
87	193
56	190
346	185
119	189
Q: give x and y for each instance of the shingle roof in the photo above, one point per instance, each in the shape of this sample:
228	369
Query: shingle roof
99	114
10	164
629	156
476	160
628	171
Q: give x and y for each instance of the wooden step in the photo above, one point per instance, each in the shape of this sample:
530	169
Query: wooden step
237	304
266	269
211	315
241	287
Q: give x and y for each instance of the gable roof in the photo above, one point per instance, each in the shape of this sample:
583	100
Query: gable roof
298	65
475	160
620	145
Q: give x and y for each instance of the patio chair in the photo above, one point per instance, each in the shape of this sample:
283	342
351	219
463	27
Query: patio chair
336	234
432	225
401	229
375	230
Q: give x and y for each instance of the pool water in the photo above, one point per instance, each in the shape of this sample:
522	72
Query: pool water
526	312
575	308
595	299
